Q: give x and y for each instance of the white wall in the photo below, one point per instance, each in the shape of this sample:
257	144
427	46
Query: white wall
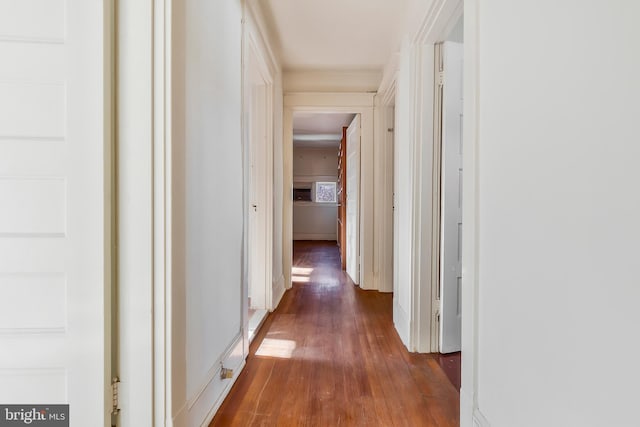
314	221
207	201
558	200
314	162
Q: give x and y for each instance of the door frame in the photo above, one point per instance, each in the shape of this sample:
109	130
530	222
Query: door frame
435	25
440	160
266	70
385	102
143	94
357	103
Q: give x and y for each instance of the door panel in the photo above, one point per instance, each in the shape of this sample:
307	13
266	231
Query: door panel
257	212
342	199
54	225
451	204
353	200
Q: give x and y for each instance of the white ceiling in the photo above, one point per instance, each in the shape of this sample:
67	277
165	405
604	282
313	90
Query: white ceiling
336	34
319	130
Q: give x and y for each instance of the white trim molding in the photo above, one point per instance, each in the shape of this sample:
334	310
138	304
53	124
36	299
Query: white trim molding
470	218
331	81
314	236
383	202
313	102
479	420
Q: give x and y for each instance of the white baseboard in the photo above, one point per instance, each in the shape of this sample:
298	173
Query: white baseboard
401	322
479	420
255	322
314	236
278	292
466	408
200	409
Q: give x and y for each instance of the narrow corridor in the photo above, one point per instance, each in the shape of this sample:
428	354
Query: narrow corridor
330	356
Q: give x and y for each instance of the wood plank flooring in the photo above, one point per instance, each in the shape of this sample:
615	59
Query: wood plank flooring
330	356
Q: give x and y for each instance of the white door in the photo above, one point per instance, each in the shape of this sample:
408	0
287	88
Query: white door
353	200
54	225
451	205
257	212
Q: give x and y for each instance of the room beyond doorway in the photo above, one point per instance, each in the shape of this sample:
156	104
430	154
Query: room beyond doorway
326	182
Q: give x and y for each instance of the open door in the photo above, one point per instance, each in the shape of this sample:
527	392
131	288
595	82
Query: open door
451	55
353	200
258	239
259	159
55	237
342	199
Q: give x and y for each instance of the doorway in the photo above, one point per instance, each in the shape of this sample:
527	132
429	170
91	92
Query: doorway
259	177
321	171
325	104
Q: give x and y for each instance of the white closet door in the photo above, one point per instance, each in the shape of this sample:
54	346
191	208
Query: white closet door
54	175
451	215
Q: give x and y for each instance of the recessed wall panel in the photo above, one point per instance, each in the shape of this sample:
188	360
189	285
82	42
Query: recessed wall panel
20	386
32	20
32	110
20	157
32	206
32	62
33	302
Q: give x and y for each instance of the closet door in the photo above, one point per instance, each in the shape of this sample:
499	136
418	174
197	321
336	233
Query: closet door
54	222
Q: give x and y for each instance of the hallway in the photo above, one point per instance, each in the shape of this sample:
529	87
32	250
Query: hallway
330	356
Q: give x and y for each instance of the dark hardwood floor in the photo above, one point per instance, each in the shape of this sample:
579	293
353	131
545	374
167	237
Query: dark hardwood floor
330	356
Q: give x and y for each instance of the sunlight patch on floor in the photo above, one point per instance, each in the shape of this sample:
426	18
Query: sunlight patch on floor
282	349
300	279
302	271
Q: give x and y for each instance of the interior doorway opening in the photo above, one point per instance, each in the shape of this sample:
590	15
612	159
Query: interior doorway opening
325	177
325	105
259	189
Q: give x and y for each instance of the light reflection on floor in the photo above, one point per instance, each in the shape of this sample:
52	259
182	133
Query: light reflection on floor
302	271
282	349
301	274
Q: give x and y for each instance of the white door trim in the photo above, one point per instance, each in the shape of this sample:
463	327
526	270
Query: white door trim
441	17
384	140
358	103
144	215
258	45
469	407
